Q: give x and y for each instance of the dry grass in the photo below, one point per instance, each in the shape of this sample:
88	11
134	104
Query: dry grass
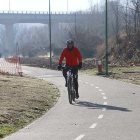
42	62
132	75
22	101
45	62
129	74
101	48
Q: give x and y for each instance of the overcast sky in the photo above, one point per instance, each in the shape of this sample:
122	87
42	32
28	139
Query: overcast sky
43	5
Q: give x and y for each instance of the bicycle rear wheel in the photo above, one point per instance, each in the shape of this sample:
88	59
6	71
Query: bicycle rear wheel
70	91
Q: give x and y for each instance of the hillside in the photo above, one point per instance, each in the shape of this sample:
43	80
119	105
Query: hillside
127	52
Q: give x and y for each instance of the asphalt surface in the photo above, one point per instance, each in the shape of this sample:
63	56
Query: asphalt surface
106	110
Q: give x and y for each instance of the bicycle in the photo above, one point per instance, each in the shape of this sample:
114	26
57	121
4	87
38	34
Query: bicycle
70	83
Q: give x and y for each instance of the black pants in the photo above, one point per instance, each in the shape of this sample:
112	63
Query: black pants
75	74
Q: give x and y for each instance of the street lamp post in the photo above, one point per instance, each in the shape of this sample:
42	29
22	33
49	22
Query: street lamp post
50	34
106	39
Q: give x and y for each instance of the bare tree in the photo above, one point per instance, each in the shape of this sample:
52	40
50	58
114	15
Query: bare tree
33	40
115	7
136	4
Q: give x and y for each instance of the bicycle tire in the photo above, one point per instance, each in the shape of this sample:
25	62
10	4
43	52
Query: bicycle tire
73	96
69	91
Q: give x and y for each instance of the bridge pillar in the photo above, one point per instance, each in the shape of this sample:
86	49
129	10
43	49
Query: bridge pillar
55	33
9	38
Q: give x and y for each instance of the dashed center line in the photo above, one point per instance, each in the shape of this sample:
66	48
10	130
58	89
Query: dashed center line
94	125
80	137
105	97
100	90
101	116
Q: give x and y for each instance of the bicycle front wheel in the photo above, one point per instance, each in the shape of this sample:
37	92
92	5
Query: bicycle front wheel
70	90
73	96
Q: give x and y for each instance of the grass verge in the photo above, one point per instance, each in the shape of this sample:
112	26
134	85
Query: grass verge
129	74
22	100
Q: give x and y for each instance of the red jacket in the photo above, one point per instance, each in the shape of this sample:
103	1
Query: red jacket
71	57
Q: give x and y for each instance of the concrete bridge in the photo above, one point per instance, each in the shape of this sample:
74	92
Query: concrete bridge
9	18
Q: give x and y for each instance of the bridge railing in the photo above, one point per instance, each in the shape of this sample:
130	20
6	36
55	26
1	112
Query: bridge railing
43	12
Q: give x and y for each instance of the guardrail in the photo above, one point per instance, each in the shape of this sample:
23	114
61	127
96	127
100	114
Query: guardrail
43	12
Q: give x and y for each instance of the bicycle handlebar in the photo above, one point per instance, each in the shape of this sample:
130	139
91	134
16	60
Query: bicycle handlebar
69	67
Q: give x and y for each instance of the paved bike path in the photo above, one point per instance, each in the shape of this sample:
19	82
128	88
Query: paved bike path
106	110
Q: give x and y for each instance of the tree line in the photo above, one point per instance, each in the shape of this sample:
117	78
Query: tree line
87	30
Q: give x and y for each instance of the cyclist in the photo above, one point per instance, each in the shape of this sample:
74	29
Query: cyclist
72	55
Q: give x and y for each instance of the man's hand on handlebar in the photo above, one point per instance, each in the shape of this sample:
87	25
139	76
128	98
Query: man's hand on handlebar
80	65
59	67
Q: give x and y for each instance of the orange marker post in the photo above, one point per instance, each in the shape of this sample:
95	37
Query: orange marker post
99	66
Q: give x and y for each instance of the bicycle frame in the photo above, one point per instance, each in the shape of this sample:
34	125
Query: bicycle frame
70	83
70	75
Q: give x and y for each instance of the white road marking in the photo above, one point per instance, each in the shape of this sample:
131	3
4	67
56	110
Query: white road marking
100	90
91	84
94	125
105	103
101	116
103	93
105	97
80	137
44	76
86	83
104	109
97	87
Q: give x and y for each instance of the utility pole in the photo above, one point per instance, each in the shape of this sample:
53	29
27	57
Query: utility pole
106	38
9	6
67	5
50	34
